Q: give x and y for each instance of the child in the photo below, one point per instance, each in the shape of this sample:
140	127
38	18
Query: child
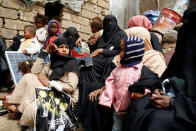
96	28
53	32
41	31
25	66
30	44
116	86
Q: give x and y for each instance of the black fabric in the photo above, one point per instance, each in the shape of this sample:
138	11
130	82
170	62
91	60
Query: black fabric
112	34
148	79
62	64
182	64
16	43
43	54
72	35
155	43
4	71
93	116
182	116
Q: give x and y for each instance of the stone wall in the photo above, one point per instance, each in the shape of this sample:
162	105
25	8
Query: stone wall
14	15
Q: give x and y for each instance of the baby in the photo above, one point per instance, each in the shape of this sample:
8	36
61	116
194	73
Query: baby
30	44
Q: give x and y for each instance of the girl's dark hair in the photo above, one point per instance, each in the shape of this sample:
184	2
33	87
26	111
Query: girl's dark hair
40	18
97	23
25	66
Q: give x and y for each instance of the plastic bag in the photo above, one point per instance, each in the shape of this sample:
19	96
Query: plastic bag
54	111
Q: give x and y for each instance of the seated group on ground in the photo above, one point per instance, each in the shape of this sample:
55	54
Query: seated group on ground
117	80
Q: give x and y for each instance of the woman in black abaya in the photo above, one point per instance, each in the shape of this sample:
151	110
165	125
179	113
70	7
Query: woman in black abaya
107	46
93	116
160	113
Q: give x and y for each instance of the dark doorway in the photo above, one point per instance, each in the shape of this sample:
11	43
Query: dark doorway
53	10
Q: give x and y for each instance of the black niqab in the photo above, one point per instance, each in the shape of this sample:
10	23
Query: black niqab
62	64
183	64
71	31
110	28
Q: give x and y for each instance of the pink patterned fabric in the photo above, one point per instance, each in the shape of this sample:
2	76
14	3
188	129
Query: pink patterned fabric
140	21
116	91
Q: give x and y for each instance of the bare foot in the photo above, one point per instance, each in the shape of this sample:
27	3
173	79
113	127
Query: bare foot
2	98
12	108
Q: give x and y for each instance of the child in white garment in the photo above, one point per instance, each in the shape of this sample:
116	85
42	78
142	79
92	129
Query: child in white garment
30	44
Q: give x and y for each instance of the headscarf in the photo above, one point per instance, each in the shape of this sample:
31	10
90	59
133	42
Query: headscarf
49	33
154	60
110	29
183	64
71	31
62	64
140	21
50	23
142	33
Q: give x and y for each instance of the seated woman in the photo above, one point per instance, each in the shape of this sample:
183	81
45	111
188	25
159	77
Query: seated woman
60	73
107	46
72	35
143	21
163	113
102	54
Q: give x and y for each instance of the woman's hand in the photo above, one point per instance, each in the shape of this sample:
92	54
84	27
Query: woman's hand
93	95
161	102
135	95
51	48
96	52
78	42
43	79
158	92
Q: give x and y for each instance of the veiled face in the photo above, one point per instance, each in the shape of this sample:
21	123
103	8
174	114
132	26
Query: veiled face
63	50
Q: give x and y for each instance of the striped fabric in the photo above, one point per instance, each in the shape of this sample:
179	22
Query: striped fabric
134	51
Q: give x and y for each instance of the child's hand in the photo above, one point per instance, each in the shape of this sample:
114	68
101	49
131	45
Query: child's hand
25	52
51	48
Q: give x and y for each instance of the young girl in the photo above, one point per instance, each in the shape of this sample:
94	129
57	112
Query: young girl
30	44
116	86
41	31
25	66
53	32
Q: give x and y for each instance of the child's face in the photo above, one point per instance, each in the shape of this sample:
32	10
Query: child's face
122	52
28	34
39	24
63	50
94	29
54	28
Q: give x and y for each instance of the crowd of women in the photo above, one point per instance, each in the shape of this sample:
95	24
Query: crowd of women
127	86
